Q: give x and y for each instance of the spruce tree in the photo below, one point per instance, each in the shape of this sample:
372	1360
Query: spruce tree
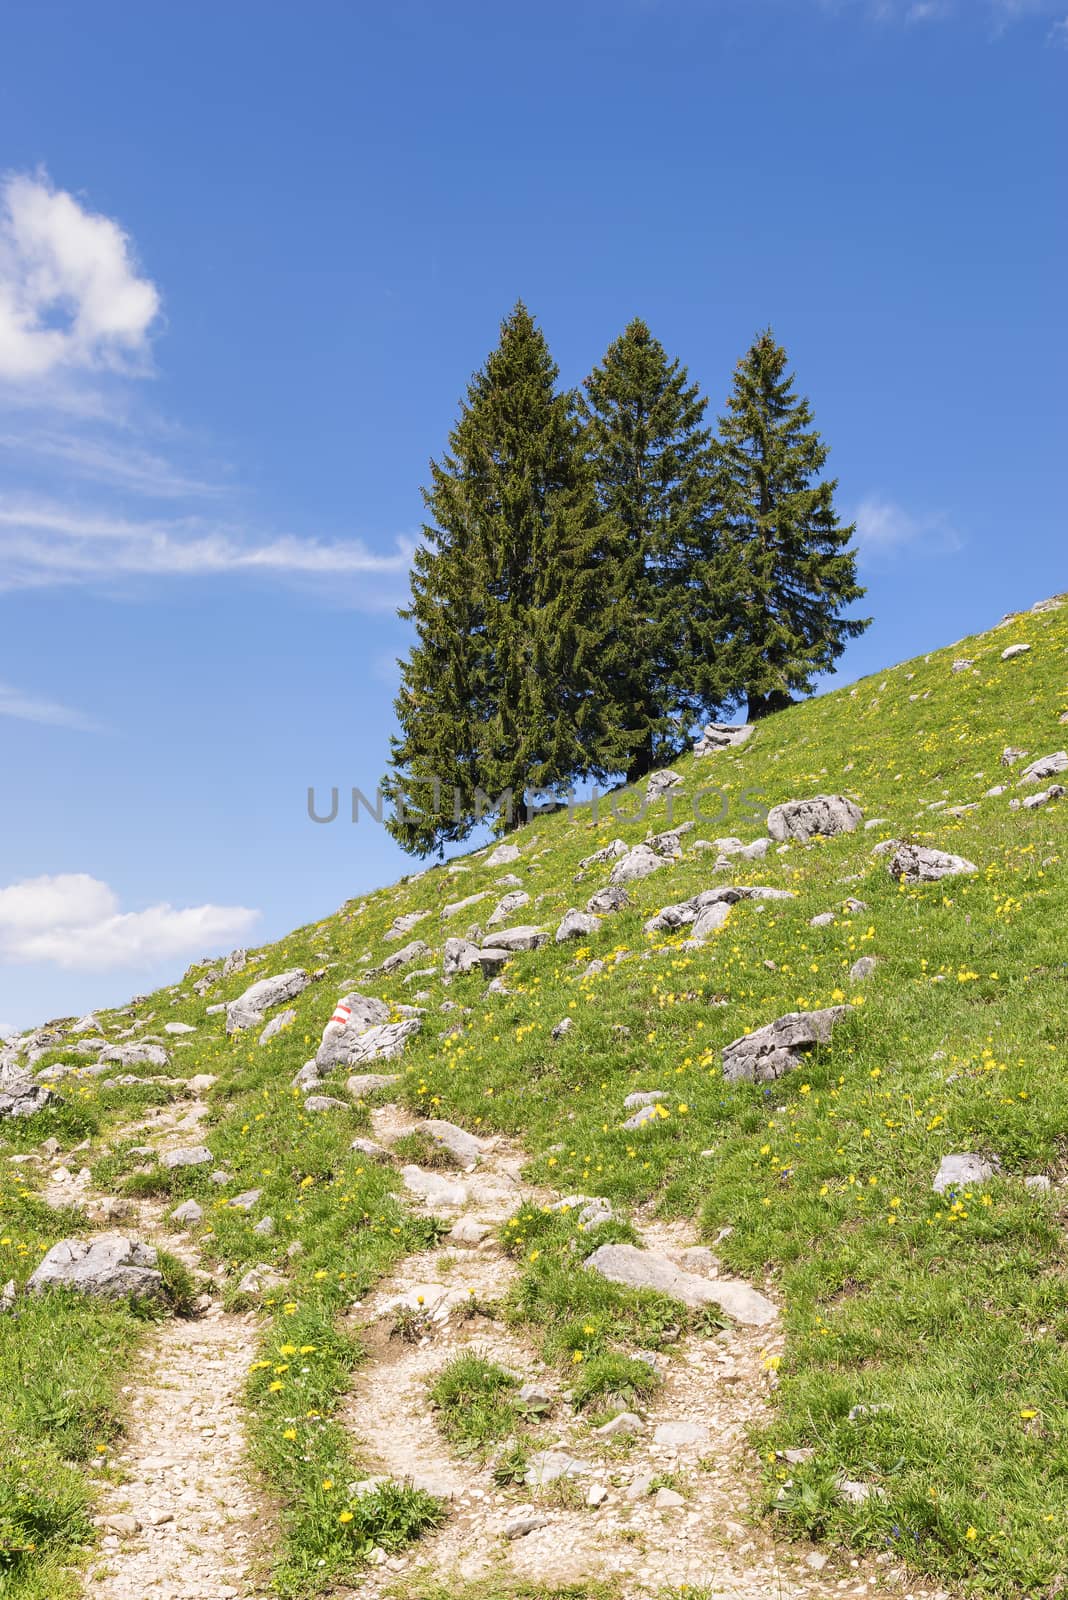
775	523
653	460
515	620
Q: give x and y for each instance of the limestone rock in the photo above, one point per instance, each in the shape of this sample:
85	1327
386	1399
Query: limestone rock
962	1171
917	863
610	852
722	736
188	1212
455	906
197	1155
21	1095
404	924
460	956
824	814
382	1043
503	856
625	1425
404	957
764	1055
142	1054
1014	650
283	1020
660	782
545	1466
1045	767
370	1151
324	1102
361	1084
248	1009
461	1145
432	1188
646	1269
178	1027
636	864
506	907
576	925
563	1027
605	901
524	937
109	1267
862	968
1056	791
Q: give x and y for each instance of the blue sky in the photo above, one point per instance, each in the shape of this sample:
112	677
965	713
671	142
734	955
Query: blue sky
249	256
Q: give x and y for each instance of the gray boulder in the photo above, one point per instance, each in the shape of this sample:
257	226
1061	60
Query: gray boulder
189	1211
361	1084
354	1015
110	1267
404	924
178	1027
576	925
610	852
236	961
460	956
636	864
862	968
276	1024
248	1009
962	1171
491	960
722	736
135	1055
660	782
824	814
461	1145
454	906
525	937
434	1189
506	907
370	1151
197	1155
646	1269
382	1043
1056	791
404	957
605	901
689	911
917	863
1045	767
764	1055
503	856
21	1096
324	1102
1014	650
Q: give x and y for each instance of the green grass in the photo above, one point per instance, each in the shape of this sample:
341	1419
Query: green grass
950	1313
474	1403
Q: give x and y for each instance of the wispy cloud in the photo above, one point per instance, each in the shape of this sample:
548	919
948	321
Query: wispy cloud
32	708
44	543
995	16
72	920
70	292
122	464
885	529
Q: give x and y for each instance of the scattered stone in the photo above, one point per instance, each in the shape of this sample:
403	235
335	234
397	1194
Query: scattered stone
643	1118
1045	767
722	736
1056	791
188	1212
265	1227
961	1171
524	937
855	1492
404	957
325	1102
679	1435
467	1231
862	968
667	1500
432	1188
563	1027
503	856
110	1267
768	1052
455	906
1039	1183
236	961
143	1054
506	907
460	1144
369	1150
178	1027
248	1009
636	864
404	924
823	814
283	1020
261	1279
962	665
606	901
611	852
660	782
855	906
492	959
21	1095
576	925
643	1097
916	863
596	1495
623	1426
535	1398
646	1269
381	1043
521	1526
246	1200
1014	650
460	956
822	920
693	910
197	1155
201	1082
1011	755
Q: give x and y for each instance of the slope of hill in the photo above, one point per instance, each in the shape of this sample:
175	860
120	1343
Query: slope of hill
877	1367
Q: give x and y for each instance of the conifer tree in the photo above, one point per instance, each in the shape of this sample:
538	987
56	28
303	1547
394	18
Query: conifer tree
652	458
505	687
775	523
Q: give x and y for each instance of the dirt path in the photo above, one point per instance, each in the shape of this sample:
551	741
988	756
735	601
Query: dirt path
176	1510
602	1520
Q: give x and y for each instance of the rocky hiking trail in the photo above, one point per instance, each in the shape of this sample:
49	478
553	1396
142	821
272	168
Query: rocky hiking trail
176	1509
589	1509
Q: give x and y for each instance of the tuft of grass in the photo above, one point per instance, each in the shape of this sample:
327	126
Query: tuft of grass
612	1381
474	1403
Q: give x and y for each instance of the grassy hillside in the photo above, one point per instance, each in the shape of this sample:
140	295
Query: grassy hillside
943	1317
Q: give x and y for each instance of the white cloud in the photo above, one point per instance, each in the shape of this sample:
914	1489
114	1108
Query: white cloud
44	543
73	921
30	708
70	294
120	464
884	528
